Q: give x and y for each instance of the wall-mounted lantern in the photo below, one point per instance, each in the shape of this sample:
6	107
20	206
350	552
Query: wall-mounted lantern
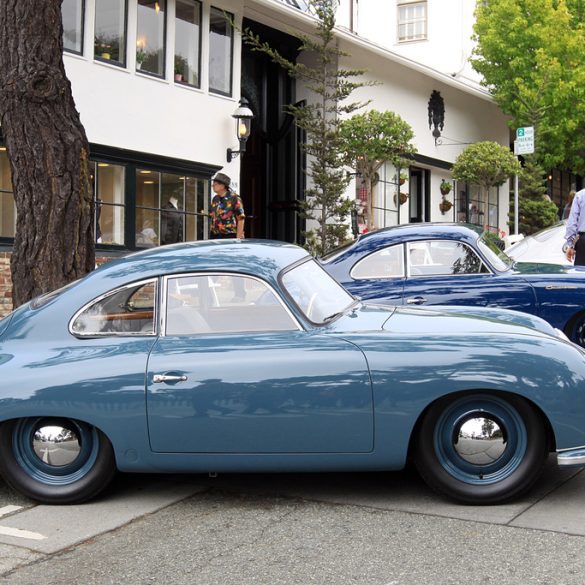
243	116
436	114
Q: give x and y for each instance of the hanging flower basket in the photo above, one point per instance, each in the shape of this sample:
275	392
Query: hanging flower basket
445	205
403	198
445	187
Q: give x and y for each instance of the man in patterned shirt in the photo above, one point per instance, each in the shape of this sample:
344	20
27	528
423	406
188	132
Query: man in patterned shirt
227	211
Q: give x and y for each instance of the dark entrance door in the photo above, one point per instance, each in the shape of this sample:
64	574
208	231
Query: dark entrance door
419	208
272	170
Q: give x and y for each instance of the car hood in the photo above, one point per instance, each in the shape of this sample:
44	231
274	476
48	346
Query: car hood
438	320
453	319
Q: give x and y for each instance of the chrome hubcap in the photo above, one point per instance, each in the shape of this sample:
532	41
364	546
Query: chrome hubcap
56	446
480	440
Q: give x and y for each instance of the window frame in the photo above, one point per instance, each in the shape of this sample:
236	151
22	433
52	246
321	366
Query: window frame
232	41
162	75
401	23
164	302
82	32
114	291
482	263
121	64
200	40
369	257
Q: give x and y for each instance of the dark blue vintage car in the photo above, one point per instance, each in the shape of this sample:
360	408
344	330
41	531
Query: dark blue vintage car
456	264
242	356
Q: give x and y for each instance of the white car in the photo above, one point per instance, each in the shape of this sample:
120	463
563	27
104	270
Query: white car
545	246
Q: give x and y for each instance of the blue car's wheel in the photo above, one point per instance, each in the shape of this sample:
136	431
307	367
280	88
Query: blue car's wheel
55	461
481	448
576	332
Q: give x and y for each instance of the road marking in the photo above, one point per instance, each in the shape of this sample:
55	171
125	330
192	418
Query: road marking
17	533
9	509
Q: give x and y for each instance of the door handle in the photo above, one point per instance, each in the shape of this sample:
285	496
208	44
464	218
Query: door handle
158	378
416	301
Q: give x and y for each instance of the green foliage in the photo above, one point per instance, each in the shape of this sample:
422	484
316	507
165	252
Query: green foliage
531	55
321	119
486	164
536	210
369	140
535	215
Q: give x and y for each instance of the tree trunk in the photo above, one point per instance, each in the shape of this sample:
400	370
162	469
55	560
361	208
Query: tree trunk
47	149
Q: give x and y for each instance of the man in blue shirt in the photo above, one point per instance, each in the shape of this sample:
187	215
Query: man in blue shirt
575	234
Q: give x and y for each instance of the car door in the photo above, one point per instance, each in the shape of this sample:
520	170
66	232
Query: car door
235	372
445	272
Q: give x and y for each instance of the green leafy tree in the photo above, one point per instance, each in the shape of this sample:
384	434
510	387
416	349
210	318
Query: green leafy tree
371	139
531	55
486	164
535	209
320	119
47	149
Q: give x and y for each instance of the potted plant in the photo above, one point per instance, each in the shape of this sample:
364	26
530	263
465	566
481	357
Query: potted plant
180	66
140	57
403	178
445	187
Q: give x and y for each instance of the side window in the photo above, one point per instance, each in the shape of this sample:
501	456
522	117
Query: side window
223	303
126	311
386	263
443	258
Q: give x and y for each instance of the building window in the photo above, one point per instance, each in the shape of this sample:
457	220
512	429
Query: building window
412	21
110	31
476	207
187	41
109	189
7	206
72	12
150	36
221	42
170	208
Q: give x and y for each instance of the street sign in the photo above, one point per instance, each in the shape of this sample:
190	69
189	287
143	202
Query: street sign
524	143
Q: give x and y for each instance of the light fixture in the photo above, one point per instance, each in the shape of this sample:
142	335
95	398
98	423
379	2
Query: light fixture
145	172
2	148
436	111
103	165
243	116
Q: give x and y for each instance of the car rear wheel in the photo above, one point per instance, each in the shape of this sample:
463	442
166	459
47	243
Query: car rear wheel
481	448
54	460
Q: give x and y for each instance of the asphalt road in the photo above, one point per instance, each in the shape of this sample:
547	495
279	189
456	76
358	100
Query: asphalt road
370	529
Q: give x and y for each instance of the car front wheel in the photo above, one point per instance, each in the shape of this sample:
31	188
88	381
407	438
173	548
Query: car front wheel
481	448
54	460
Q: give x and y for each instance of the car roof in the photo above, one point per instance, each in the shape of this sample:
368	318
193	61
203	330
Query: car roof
413	231
261	257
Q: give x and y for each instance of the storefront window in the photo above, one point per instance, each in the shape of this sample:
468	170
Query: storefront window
110	31
187	41
476	206
170	208
150	36
109	203
221	36
72	14
7	206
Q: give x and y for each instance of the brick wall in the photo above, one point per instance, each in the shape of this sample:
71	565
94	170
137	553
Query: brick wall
6	281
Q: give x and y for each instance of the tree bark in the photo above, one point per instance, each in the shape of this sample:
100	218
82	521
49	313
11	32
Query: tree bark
47	149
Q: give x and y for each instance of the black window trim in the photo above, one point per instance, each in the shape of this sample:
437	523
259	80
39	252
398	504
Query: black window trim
232	38
164	47
184	83
71	51
120	64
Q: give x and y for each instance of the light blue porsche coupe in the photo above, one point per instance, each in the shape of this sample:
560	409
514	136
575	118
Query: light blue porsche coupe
246	356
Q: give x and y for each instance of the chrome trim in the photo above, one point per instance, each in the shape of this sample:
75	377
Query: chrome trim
56	446
158	378
107	294
574	457
480	440
163	304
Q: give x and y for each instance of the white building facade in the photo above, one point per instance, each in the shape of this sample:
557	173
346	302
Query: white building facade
156	83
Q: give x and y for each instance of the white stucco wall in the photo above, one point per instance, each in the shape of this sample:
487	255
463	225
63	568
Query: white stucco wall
127	109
